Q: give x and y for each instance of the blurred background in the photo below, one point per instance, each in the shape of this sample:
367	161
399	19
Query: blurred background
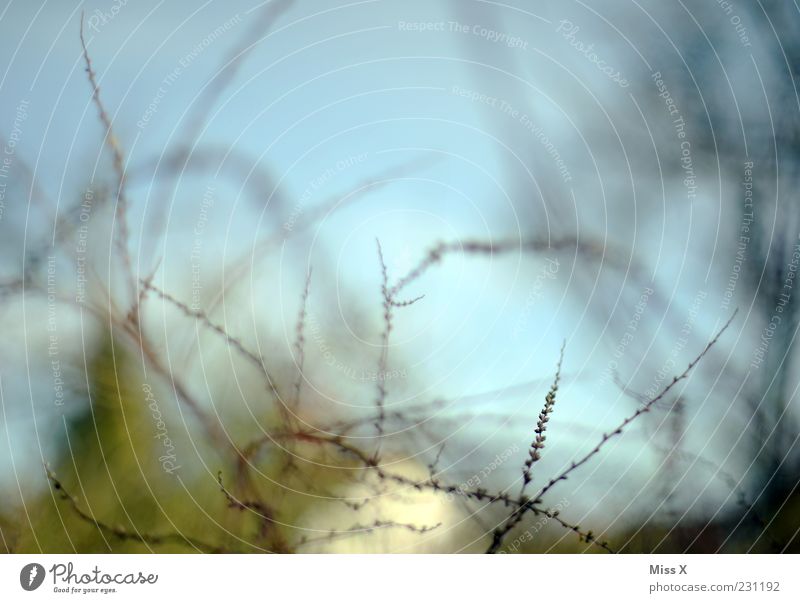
194	263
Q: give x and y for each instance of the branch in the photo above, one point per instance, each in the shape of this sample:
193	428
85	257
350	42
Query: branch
265	514
380	401
639	412
254	358
118	161
359	529
437	253
121	532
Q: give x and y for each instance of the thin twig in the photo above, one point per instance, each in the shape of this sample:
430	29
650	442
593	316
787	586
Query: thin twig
437	253
203	104
237	344
118	162
123	533
383	360
360	530
265	514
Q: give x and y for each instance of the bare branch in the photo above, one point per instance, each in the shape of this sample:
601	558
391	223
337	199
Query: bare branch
118	161
123	533
639	412
235	343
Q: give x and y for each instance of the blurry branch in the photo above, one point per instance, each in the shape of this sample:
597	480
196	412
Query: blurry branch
646	407
434	464
340	429
242	456
204	160
291	416
132	327
432	484
204	103
359	530
243	265
131	323
265	514
380	400
123	533
134	316
110	315
343	428
437	253
230	66
235	343
626	390
119	165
